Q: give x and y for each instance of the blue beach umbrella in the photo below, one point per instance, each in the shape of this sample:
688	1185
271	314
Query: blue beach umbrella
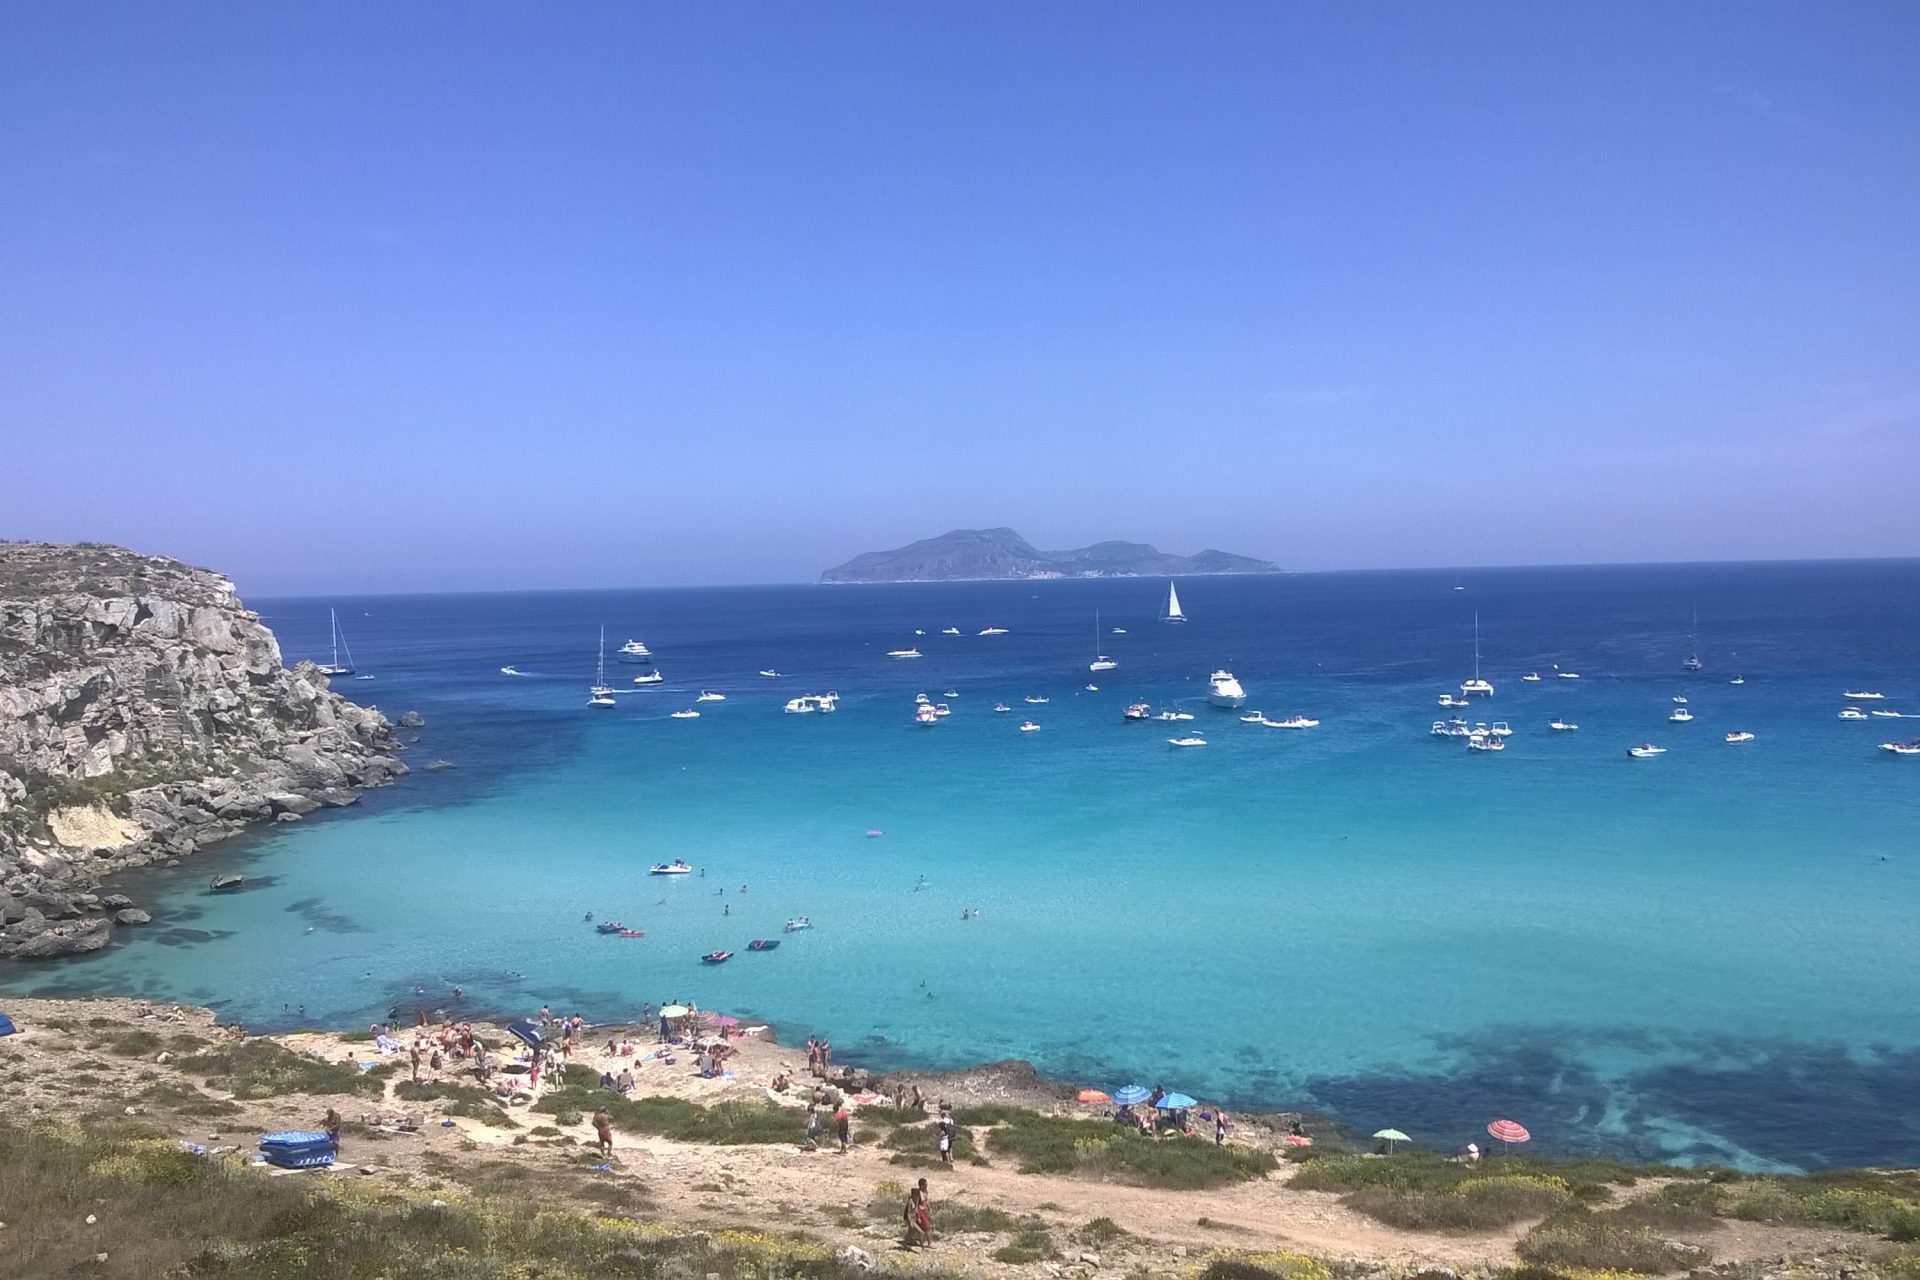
1176	1102
1127	1095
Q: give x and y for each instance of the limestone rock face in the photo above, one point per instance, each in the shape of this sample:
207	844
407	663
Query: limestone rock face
144	712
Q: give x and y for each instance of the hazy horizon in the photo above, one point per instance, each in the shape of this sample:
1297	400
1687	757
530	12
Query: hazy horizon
471	297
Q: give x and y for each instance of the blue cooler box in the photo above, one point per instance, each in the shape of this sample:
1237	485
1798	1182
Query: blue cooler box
297	1149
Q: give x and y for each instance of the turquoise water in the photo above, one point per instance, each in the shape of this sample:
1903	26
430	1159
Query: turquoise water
1708	956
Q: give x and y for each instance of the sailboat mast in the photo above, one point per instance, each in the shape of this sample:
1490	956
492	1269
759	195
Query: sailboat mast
333	623
1476	644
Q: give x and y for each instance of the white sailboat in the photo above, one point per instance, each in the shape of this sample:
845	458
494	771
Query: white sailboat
1101	662
601	695
336	667
1173	613
1693	647
1476	685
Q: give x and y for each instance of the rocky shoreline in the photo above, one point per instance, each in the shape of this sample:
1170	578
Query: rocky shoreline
145	713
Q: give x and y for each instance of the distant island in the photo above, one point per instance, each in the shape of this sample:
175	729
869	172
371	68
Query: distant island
1001	553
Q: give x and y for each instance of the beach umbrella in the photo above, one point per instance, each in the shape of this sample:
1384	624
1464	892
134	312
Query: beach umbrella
1297	1140
1176	1102
1091	1095
1128	1094
1392	1136
527	1033
1508	1132
673	1011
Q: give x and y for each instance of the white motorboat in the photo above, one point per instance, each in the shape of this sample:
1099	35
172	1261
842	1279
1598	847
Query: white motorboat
991	631
1568	675
770	673
1532	677
337	667
919	631
1476	687
1564	726
812	704
1740	736
688	714
1454	728
1485	742
950	631
1858	696
1500	729
921	698
508	671
674	868
633	651
1001	708
1882	714
708	695
1738	680
600	695
1032	701
951	693
1255	718
1454	700
1911	748
1853	713
1646	750
1680	716
941	710
1680	698
1138	711
1225	691
799	924
903	653
1093	688
649	677
1118	631
1174	715
925	714
1191	740
1173	613
1028	726
1294	722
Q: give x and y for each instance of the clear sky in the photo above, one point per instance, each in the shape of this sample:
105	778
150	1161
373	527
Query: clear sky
418	296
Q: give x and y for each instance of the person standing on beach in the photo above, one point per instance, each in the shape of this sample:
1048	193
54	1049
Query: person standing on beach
332	1127
1219	1127
603	1126
920	1215
810	1141
414	1053
843	1128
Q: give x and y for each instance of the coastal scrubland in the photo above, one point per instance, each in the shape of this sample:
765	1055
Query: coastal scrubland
127	1150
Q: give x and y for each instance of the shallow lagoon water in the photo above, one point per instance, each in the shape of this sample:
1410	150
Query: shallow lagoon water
1709	956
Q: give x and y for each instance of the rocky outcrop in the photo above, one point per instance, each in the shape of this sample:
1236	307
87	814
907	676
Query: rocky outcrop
145	712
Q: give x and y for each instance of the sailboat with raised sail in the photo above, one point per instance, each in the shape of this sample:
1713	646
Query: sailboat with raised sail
601	695
1101	662
336	667
1476	686
1173	613
1693	643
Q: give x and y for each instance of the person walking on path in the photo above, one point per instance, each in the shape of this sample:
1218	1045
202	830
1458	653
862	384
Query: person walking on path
919	1215
843	1128
603	1126
810	1141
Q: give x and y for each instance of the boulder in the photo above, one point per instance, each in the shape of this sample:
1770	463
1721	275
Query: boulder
116	902
411	720
291	802
64	940
132	915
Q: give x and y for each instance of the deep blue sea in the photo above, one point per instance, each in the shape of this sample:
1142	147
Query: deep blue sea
1709	956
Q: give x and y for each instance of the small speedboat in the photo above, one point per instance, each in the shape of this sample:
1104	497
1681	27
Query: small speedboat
950	631
919	631
1741	736
1902	748
799	923
922	699
1853	713
632	933
1001	708
1093	688
716	957
812	704
1564	726
941	710
1294	722
1645	751
609	926
1485	742
770	673
1138	711
1191	740
1174	715
508	671
951	693
1119	631
1738	680
226	884
688	714
1255	718
1680	699
1454	728
1568	675
1857	696
1680	715
1035	702
1532	677
708	695
649	677
1500	729
1028	726
763	944
992	631
1884	715
903	653
1450	700
674	868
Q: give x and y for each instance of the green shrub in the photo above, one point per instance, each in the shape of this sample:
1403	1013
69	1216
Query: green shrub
1582	1242
1101	1231
262	1069
723	1124
1056	1144
425	1091
1476	1204
134	1044
1032	1245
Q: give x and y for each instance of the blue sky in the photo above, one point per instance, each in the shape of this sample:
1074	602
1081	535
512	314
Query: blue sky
448	296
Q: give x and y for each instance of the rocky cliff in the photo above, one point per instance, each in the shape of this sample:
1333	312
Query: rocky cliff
145	712
1001	553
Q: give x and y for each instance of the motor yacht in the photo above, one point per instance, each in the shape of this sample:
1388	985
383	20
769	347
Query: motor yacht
1740	736
925	714
1225	691
1138	711
1191	740
903	653
633	651
812	703
1646	750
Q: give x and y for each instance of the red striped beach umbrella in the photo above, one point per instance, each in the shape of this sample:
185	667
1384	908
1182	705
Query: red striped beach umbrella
1508	1131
